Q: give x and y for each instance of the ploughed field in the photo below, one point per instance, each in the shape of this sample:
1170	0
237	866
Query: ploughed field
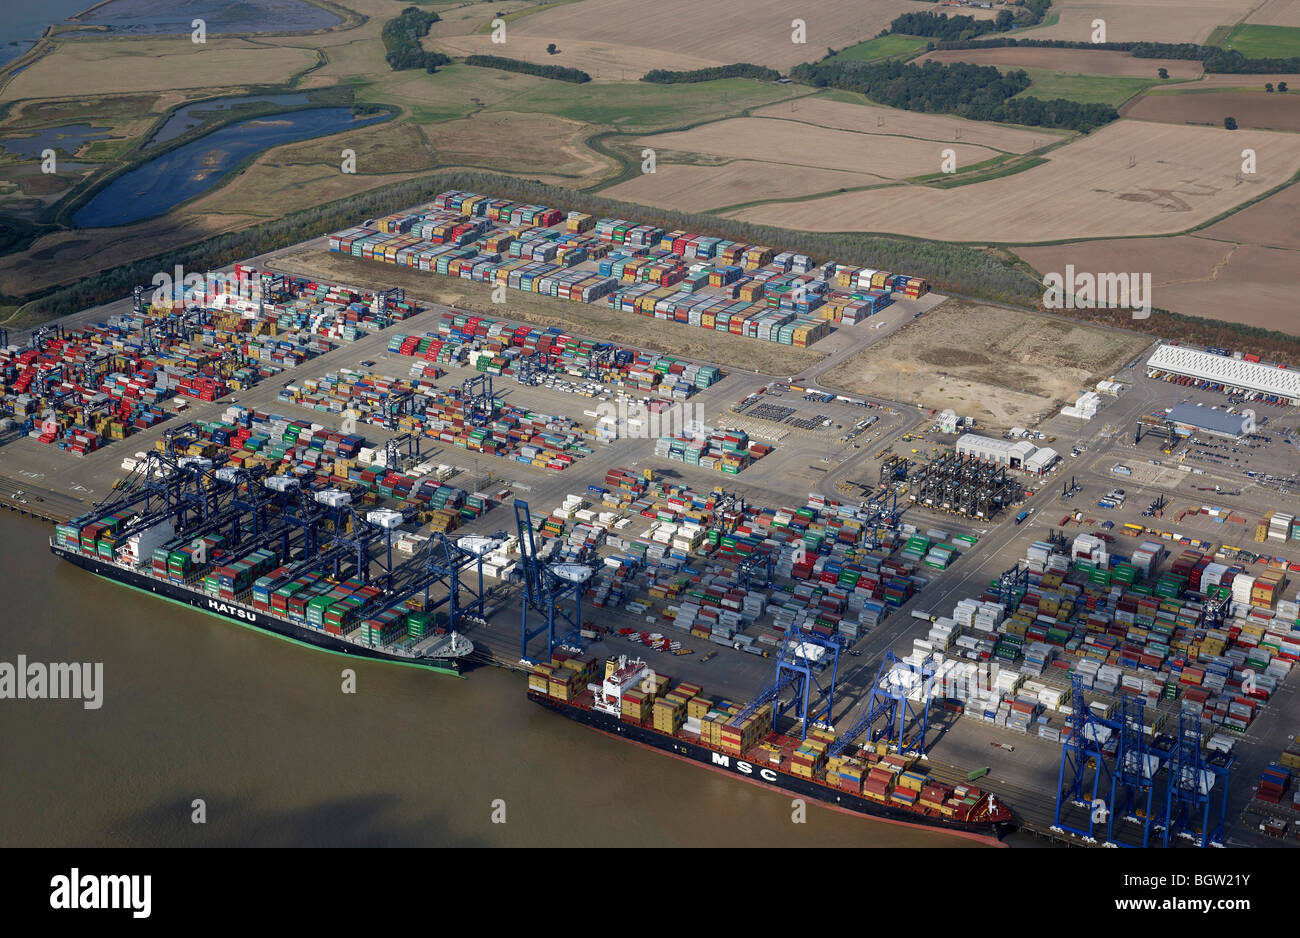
1252	109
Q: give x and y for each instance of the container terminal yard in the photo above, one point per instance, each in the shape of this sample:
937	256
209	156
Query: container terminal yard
1092	619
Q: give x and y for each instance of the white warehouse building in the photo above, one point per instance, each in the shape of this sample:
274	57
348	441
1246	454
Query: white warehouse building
1236	375
1009	453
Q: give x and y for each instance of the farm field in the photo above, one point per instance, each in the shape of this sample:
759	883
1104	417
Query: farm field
1138	20
1181	176
798	145
542	146
1086	89
882	47
1265	41
1070	61
1276	13
95	66
1000	365
601	60
704	188
1194	275
760	33
1252	109
845	111
1273	222
1240	82
591	319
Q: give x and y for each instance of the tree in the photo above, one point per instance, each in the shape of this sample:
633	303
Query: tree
1163	73
1004	20
1281	86
1230	123
1268	86
551	49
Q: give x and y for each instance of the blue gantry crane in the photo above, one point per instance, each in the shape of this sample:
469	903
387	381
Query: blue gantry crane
1197	780
894	708
1133	782
546	586
799	668
1084	760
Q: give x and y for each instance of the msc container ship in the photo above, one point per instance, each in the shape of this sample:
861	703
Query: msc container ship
311	610
634	703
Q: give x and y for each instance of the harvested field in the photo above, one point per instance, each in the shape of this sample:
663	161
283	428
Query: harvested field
1252	109
1273	222
601	60
594	320
801	146
1003	366
1276	13
535	143
1194	275
92	66
758	33
1182	176
1138	20
1075	61
695	188
825	111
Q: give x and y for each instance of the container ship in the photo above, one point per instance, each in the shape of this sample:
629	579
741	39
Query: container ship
634	703
312	609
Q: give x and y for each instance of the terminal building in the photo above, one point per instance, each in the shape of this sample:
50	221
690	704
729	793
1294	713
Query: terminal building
1251	379
1191	419
1014	454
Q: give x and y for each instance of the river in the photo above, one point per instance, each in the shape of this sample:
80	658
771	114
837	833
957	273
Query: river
259	729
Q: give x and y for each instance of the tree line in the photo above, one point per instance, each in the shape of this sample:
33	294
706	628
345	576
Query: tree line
976	92
952	268
959	27
1212	58
402	35
661	76
557	72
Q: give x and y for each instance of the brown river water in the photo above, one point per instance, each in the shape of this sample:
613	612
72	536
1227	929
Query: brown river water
258	728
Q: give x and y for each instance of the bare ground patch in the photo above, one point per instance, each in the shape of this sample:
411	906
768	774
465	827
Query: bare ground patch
1005	367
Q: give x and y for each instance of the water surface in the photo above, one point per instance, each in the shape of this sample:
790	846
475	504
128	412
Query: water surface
158	185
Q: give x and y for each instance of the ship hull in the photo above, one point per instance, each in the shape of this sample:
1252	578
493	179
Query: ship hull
755	773
247	617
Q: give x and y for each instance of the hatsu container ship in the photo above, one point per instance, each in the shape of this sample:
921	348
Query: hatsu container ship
252	590
634	703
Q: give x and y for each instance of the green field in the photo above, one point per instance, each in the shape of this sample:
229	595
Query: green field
882	47
1085	89
1265	42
